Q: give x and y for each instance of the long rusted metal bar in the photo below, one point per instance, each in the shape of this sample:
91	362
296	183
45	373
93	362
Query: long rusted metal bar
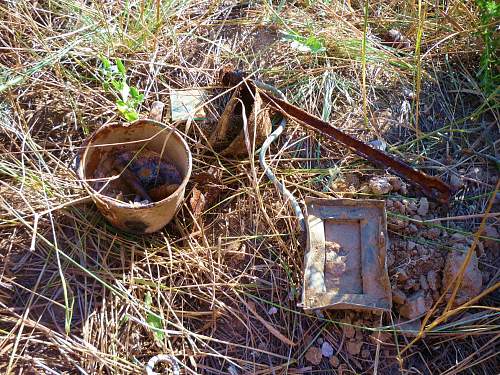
431	186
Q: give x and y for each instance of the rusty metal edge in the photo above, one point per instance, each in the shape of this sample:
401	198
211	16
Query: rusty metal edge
431	186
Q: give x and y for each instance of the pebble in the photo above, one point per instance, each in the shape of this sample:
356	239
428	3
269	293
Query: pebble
433	280
354	347
423	206
398	296
326	349
380	185
334	361
273	310
472	281
412	207
432	233
412	229
411	245
396	183
314	355
416	305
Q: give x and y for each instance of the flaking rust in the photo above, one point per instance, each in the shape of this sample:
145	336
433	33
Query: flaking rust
345	259
431	186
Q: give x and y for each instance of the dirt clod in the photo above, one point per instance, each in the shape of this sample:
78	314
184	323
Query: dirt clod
472	281
334	361
423	206
416	305
354	347
380	185
314	355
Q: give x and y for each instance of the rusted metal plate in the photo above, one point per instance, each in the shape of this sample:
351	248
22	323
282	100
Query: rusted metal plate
345	259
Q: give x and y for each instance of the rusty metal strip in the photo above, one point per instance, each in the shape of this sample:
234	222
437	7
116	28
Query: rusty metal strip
431	186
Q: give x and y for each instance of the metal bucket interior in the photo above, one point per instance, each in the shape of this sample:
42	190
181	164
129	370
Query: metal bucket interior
140	135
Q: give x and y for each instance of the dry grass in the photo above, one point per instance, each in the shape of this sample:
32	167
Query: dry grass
74	291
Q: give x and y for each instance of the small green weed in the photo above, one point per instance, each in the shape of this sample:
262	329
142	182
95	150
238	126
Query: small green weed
154	321
311	44
114	79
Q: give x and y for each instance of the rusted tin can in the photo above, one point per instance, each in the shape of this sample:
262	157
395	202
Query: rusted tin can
145	134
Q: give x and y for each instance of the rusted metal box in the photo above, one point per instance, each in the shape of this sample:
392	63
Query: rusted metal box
345	258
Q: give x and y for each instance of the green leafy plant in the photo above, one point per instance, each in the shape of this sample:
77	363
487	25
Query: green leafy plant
128	98
311	43
154	321
488	64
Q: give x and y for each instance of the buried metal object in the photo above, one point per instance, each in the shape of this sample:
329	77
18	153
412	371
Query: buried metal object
431	186
244	118
146	159
345	259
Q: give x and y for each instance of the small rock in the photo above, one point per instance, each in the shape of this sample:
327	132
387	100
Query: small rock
349	331
320	341
378	144
399	207
314	355
398	296
403	189
412	229
415	306
334	361
423	206
273	310
412	207
326	349
432	233
396	183
472	281
433	280
354	347
491	232
380	185
365	353
423	282
410	245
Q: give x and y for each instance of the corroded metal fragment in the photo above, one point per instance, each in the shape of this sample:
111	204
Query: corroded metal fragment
344	265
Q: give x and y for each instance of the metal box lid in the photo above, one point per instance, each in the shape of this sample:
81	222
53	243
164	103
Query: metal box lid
345	259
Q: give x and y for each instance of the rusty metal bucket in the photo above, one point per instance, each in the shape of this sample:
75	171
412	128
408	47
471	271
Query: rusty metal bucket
141	136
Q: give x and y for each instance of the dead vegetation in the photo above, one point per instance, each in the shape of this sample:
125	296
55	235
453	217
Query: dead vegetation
218	288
